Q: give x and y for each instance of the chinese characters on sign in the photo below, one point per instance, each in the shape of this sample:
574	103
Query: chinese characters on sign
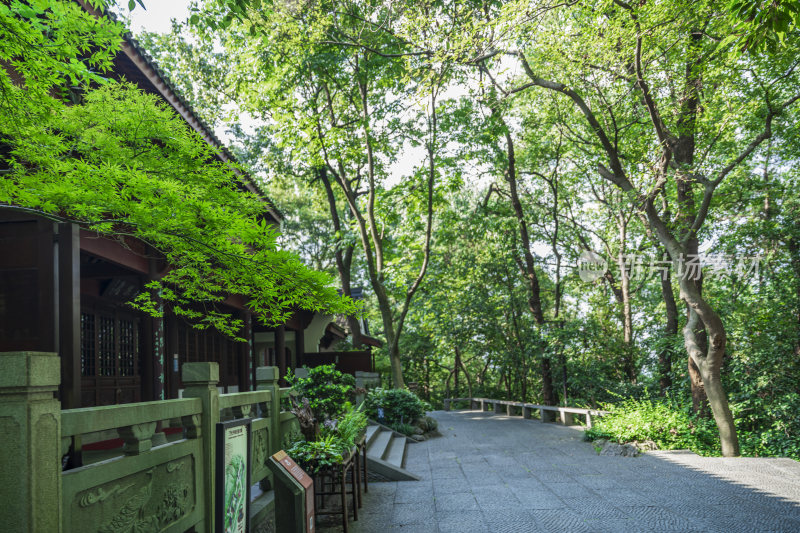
592	266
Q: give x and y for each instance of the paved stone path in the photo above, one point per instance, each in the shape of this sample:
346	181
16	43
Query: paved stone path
493	473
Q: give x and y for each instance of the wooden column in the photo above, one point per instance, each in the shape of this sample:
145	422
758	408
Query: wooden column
280	350
247	371
171	368
146	353
156	364
69	314
153	347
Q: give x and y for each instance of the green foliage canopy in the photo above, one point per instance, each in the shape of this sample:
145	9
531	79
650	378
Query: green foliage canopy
122	164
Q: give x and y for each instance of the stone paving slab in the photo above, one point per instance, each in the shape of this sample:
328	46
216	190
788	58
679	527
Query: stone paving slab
494	473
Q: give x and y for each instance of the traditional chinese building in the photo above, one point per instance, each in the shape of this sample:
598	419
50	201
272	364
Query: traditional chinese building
64	289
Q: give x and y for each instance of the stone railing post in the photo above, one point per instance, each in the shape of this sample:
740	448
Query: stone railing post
30	454
267	379
200	380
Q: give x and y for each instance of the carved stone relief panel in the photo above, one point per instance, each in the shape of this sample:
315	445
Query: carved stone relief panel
147	501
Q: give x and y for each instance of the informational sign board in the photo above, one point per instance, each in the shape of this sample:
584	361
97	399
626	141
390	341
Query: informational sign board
291	470
233	476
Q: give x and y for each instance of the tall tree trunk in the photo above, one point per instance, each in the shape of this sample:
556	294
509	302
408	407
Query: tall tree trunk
699	400
670	331
704	333
529	270
794	253
628	364
371	238
548	394
456	368
427	365
342	254
466	372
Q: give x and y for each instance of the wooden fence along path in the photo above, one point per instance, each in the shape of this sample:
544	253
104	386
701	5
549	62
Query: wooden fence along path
547	413
167	487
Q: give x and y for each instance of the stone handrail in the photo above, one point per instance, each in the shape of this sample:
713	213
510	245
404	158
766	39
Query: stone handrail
94	419
547	412
238	399
149	484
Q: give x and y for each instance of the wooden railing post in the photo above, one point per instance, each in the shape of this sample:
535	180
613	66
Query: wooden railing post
30	454
267	379
201	380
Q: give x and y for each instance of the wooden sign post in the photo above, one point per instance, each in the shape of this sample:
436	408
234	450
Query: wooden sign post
294	495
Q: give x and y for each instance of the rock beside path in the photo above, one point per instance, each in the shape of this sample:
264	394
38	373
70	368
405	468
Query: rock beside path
619	450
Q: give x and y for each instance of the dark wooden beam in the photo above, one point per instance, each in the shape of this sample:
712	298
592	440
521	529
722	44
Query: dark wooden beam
105	270
114	252
69	314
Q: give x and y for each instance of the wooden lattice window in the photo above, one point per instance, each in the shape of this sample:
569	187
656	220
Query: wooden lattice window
109	345
196	345
106	344
88	340
128	350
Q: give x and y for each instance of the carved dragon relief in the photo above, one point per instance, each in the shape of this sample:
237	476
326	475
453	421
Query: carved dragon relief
90	498
131	519
174	465
140	513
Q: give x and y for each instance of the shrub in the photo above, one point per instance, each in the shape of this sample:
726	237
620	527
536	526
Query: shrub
326	389
399	406
668	425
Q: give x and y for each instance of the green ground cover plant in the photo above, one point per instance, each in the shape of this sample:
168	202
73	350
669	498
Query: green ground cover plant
669	425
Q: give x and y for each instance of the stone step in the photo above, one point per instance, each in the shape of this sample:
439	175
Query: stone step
384	444
396	452
372	432
379	444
